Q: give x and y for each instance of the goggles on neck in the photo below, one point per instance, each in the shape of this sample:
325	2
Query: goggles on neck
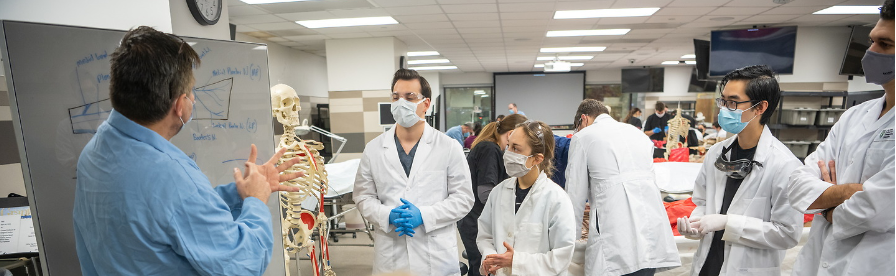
736	169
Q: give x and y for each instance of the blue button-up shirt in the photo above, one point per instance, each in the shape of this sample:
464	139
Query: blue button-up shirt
456	133
142	207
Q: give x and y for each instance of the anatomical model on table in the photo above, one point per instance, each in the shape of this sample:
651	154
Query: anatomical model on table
298	224
678	128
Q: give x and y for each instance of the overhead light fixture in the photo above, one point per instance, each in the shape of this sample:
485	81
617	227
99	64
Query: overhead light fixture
850	10
692	62
484	96
677	62
574	64
433	68
572	49
605	13
689	56
587	32
257	2
423	54
428	61
566	58
479	92
347	22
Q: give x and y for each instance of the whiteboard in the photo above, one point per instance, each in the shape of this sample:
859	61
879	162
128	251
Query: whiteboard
58	78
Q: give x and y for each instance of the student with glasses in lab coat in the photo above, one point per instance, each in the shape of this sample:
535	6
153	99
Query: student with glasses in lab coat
848	181
743	219
527	226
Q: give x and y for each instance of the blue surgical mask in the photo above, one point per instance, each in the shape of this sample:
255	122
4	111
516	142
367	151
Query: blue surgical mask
191	114
510	110
878	67
731	120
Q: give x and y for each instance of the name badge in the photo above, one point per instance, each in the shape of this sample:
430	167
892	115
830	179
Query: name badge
885	135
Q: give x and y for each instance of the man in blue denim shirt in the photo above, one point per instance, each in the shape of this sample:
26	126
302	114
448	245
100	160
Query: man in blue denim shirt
142	207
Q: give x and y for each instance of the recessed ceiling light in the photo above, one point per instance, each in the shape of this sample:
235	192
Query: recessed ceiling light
689	56
690	62
433	68
605	13
572	49
676	62
571	64
256	2
566	58
479	92
484	95
850	10
669	62
428	61
587	32
348	22
423	54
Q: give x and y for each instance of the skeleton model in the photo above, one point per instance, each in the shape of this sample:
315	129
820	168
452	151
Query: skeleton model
298	224
678	127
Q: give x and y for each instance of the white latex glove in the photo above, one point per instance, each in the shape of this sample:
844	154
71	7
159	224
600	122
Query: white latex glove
688	228
712	223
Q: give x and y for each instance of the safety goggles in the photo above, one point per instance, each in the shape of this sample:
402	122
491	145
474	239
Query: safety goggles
737	169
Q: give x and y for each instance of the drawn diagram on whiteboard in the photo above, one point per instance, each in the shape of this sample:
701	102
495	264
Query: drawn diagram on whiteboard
213	100
87	118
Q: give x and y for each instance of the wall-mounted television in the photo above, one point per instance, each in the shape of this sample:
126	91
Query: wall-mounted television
855	50
698	85
637	80
733	49
701	53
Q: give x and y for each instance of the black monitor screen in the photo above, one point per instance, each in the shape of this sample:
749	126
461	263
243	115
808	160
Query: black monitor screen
701	53
636	80
698	85
855	51
734	49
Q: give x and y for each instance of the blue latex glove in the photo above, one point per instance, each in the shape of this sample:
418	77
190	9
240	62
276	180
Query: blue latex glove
657	130
666	129
395	214
412	218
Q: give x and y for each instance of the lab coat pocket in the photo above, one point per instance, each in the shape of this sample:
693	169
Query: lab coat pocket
443	252
528	237
874	158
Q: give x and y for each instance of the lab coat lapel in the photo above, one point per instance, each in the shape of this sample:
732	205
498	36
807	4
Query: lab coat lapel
721	179
391	152
870	120
424	147
526	207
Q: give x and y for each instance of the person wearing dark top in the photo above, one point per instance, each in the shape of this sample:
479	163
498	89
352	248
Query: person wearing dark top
655	125
406	158
561	153
486	162
633	118
743	217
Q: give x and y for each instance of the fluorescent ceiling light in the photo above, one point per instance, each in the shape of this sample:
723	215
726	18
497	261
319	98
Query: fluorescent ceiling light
605	13
572	49
850	10
571	64
484	96
348	22
433	68
423	54
256	2
689	56
588	32
191	43
669	62
428	61
479	92
566	58
690	62
676	62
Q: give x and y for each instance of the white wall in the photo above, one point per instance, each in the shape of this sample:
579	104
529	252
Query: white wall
362	63
858	84
819	52
109	14
435	84
478	78
183	23
606	76
304	72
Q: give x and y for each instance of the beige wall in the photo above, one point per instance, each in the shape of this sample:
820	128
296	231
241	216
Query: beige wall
355	116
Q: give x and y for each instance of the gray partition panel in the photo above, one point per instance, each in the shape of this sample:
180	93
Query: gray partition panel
548	97
58	79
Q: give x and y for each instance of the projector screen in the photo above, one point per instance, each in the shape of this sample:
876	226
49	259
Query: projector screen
549	97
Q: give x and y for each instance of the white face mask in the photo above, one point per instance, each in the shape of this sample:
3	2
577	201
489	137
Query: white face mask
515	163
405	112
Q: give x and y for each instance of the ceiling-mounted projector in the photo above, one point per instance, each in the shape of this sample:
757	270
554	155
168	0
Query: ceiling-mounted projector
557	66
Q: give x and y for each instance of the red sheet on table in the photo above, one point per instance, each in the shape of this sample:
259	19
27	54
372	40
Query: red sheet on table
683	208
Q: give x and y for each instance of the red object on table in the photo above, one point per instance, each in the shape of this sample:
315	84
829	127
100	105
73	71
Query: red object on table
660	160
569	136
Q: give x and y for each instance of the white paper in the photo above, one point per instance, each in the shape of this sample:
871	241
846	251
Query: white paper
16	231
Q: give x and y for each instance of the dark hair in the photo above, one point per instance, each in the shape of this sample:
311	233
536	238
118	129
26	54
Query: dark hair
477	128
631	113
886	10
716	125
761	86
150	70
407	75
590	108
492	130
541	140
499	117
660	106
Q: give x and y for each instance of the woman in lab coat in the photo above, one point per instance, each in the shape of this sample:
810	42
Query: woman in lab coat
527	226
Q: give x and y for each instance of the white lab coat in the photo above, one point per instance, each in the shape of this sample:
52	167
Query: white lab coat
611	164
860	241
761	224
439	184
541	232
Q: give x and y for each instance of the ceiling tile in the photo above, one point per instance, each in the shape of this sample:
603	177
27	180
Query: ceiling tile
435	31
649	31
430	25
531	23
751	3
470	8
697	3
526	15
306	37
583	5
450	2
401	3
297	31
277	39
297	16
474	24
255	19
526	7
307	6
671	19
420	18
718	19
478	30
274	26
621	20
232	3
797	10
862	3
513	29
770	18
820	18
473	16
814	3
415	10
685	11
244	10
244	28
351	35
737	11
641	4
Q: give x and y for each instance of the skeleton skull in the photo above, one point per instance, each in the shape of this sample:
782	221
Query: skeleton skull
285	104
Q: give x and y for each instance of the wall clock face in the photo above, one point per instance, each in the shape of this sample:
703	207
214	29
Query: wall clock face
206	12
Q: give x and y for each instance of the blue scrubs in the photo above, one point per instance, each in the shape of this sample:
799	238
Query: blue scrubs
561	154
142	207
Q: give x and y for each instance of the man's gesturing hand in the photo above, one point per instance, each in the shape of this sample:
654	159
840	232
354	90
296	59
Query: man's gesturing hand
269	175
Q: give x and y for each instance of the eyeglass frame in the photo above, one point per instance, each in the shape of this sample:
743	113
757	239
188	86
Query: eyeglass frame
395	96
719	102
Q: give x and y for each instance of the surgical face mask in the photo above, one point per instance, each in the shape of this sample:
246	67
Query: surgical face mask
878	67
405	112
191	114
510	111
731	120
515	163
661	114
737	169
